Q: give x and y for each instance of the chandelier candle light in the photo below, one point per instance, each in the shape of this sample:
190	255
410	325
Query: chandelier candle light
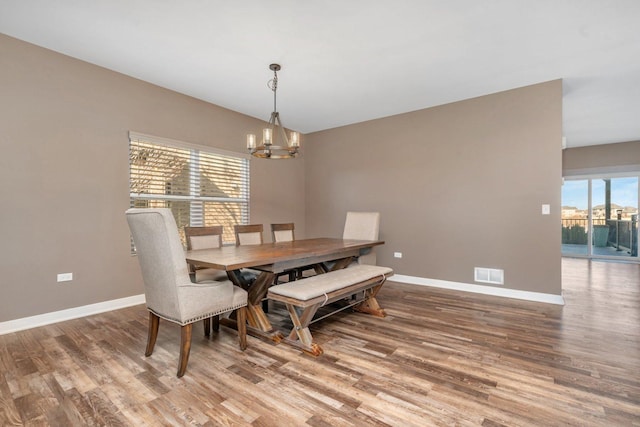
269	150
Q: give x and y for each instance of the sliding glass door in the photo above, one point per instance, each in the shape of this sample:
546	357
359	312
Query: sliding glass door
575	217
600	217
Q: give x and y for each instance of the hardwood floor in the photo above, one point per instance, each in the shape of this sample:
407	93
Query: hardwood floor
439	358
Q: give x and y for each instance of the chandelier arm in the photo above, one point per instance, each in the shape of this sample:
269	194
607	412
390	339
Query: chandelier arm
272	119
283	134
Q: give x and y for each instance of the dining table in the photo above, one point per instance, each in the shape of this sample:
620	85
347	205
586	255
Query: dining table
269	259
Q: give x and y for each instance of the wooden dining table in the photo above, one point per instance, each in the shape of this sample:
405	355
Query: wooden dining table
273	258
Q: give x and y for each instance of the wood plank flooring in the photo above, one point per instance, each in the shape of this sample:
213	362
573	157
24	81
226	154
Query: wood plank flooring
439	358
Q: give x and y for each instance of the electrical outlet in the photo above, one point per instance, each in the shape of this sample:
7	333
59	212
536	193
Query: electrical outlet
546	209
65	277
397	254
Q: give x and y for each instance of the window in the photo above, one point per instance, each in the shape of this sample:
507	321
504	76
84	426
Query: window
202	186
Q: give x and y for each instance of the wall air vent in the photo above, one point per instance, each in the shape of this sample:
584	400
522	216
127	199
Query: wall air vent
489	275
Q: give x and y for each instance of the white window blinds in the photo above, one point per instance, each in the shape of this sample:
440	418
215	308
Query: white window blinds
201	185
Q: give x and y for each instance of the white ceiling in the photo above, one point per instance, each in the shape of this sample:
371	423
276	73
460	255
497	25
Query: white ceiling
346	61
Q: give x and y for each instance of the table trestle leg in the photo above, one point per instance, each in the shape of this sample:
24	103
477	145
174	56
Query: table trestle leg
257	322
257	318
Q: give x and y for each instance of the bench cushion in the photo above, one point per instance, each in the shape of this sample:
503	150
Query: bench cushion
315	286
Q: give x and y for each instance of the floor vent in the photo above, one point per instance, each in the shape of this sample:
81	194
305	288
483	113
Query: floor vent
489	275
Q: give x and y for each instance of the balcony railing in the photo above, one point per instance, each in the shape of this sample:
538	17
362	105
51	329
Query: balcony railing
619	234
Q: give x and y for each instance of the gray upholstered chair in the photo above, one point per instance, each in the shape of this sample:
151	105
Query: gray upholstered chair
363	226
169	292
208	237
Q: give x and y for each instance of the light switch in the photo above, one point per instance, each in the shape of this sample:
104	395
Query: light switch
546	209
65	277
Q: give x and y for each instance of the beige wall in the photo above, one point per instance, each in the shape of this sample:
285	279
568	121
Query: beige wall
622	157
458	186
64	169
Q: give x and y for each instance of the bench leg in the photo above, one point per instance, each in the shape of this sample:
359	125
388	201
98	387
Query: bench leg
300	335
370	304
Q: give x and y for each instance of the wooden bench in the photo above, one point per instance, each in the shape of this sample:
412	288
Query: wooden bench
359	284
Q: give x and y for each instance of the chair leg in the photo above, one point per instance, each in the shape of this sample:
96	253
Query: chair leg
154	322
241	315
185	348
215	325
207	326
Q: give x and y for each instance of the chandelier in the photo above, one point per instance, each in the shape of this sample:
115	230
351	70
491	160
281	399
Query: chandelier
288	148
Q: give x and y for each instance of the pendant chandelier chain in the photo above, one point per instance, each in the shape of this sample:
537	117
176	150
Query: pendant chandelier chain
273	85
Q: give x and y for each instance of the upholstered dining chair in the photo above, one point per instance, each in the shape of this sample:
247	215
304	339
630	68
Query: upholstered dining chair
363	226
168	290
250	234
283	232
208	237
286	233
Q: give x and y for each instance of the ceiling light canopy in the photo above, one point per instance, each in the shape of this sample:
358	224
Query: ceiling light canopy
268	149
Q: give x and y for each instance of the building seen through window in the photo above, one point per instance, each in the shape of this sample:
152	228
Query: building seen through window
201	186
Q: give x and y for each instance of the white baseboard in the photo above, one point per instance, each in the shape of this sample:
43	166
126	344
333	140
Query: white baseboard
87	310
480	289
68	314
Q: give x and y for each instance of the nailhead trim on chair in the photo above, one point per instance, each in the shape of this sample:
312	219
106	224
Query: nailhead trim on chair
195	319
